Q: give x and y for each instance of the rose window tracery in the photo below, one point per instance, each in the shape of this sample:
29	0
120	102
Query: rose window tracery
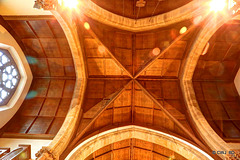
9	76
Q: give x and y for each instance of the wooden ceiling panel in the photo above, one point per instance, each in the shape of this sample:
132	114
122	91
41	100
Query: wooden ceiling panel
220	107
229	129
103	150
22	29
50	107
134	149
40	68
155	69
176	108
41	125
210	91
104	119
41	28
222	60
120	154
233	52
122	144
171	90
95	89
50	47
217	111
125	99
68	88
135	50
154	87
56	28
141	154
143	115
125	57
63	47
122	115
32	107
20	124
141	99
69	67
96	67
63	107
171	68
33	48
40	86
198	90
123	40
130	10
56	89
47	51
227	91
55	126
111	68
177	51
146	41
56	67
142	144
218	51
199	70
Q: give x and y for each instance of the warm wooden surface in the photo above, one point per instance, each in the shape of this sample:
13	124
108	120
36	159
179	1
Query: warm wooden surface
134	149
49	56
213	82
127	8
133	106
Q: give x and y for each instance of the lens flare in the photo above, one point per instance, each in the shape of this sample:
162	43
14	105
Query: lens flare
101	49
197	20
68	3
86	25
156	51
217	5
183	30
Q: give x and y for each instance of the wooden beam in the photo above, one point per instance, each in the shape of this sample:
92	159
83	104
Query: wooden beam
90	31
172	117
29	17
91	115
149	63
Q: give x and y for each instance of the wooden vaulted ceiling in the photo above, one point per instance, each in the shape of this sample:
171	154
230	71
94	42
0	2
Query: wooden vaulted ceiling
128	8
213	82
134	149
46	48
128	84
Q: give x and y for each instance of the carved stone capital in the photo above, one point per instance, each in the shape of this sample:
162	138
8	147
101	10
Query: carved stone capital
45	154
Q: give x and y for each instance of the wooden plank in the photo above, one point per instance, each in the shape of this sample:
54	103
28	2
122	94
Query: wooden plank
96	111
148	64
99	43
172	117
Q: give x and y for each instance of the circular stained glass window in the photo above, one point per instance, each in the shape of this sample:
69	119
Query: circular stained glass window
9	76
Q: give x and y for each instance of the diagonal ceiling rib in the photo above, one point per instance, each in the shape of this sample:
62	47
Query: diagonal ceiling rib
107	51
151	62
133	52
92	114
